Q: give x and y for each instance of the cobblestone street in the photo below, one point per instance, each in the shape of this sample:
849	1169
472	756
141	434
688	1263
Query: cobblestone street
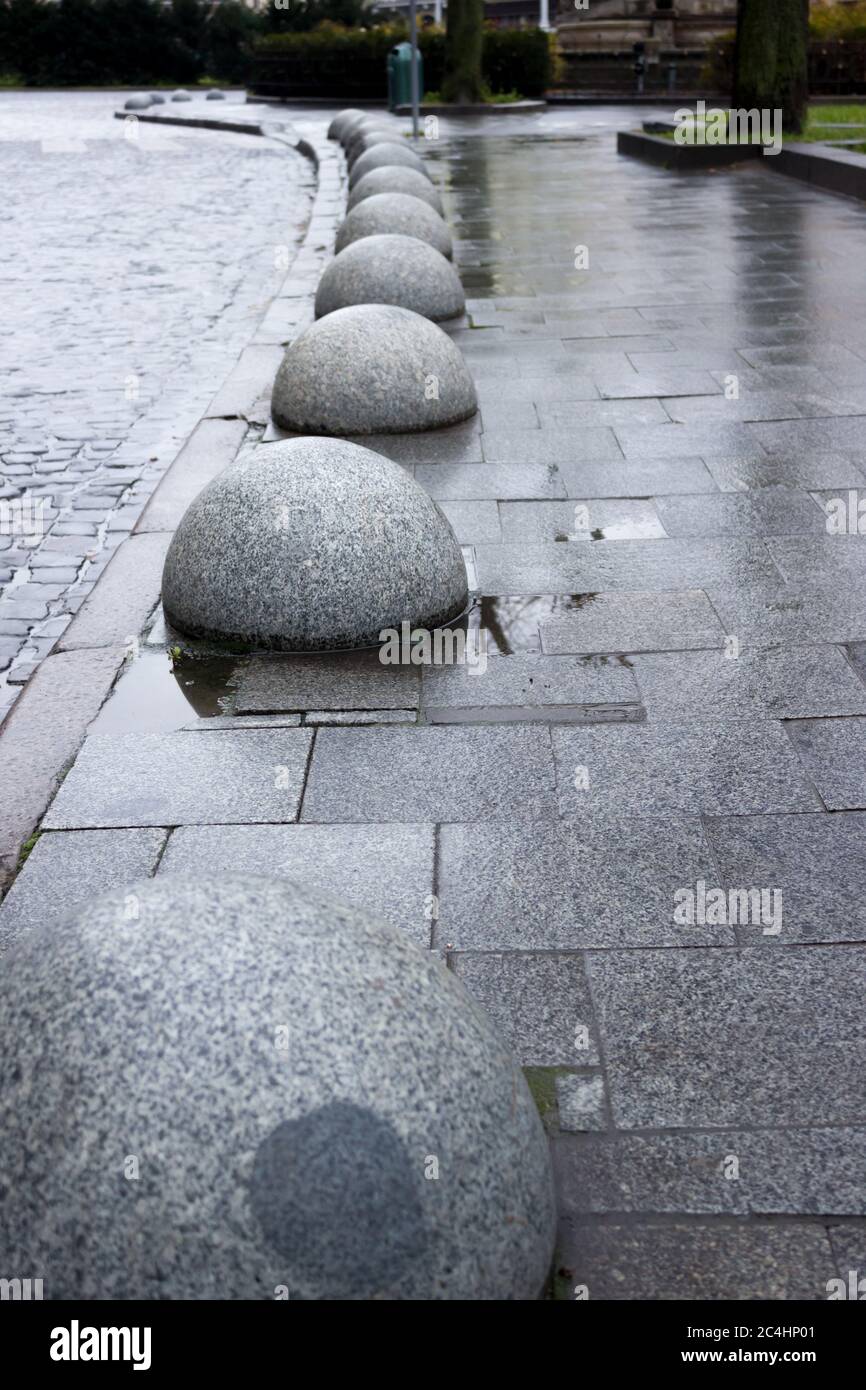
136	262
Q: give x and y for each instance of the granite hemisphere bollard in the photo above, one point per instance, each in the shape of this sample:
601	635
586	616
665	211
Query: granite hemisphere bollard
139	103
392	269
181	95
351	123
397	213
312	545
235	1089
348	116
215	95
395	178
372	369
385	153
368	136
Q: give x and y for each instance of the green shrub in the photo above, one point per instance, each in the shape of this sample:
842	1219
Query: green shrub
347	63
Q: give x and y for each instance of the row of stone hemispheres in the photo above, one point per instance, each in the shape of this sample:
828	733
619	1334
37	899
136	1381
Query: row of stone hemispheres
236	1088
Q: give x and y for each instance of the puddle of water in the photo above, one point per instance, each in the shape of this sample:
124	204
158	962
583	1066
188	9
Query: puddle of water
152	696
156	695
512	621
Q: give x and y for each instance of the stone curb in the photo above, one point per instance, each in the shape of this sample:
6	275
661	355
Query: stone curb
47	725
831	170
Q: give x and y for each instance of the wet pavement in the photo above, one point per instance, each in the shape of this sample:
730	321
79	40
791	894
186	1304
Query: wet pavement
137	263
640	825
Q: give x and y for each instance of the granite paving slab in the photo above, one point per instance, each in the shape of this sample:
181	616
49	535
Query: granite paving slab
648	565
333	680
712	1262
761	512
634	478
812	468
780	1172
71	867
478	481
599	519
833	752
710	1038
652	769
635	622
385	869
183	777
531	681
430	774
600	880
792	682
815	861
551	445
820	560
539	1003
769	614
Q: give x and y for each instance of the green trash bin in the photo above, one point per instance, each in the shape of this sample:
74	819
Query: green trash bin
400	76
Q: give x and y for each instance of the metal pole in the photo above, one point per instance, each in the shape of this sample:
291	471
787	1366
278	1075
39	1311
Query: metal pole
544	17
437	11
413	39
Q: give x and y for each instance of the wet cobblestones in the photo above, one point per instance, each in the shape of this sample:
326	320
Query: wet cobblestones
136	271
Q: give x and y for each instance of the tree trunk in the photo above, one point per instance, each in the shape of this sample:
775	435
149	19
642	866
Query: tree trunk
462	82
771	58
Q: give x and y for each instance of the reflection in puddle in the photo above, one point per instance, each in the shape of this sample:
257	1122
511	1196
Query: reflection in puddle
512	622
155	696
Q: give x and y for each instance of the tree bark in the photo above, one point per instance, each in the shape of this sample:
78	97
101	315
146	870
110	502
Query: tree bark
771	59
462	81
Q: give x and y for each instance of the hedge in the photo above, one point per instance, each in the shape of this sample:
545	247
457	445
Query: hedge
351	63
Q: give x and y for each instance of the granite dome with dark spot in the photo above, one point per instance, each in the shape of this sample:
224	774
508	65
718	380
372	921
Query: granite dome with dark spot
234	1089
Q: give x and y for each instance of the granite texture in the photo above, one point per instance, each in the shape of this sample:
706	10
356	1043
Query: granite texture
217	1088
430	774
591	881
774	683
400	213
737	768
365	137
384	869
833	752
311	544
580	1104
388	152
815	861
706	1262
527	680
540	1004
669	1020
396	178
814	1172
347	117
392	269
369	369
67	869
336	681
635	622
184	777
